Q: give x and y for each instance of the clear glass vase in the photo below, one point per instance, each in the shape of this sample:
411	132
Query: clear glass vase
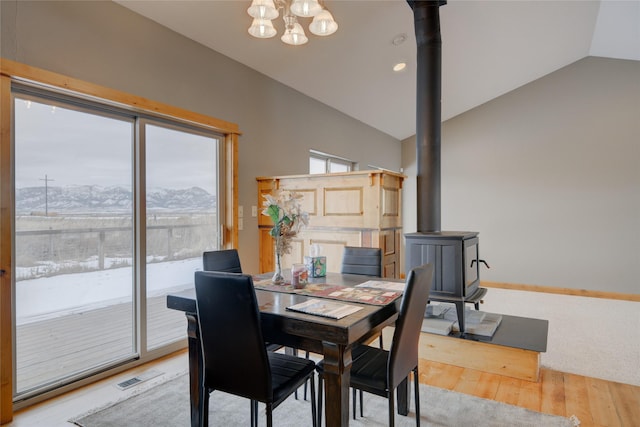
277	275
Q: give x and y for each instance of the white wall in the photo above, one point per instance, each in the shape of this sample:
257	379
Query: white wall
549	175
107	44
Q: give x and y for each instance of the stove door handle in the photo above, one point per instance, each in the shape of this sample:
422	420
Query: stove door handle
473	261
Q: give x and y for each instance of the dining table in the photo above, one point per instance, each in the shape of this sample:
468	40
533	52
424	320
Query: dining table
333	339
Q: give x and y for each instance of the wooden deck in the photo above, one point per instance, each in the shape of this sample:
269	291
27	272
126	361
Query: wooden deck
50	350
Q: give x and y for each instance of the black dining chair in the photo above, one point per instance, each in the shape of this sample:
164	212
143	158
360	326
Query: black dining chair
227	260
222	260
379	371
363	261
236	360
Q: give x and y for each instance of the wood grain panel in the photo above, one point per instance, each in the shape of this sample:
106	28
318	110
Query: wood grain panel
6	353
309	201
388	242
389	269
390	201
496	359
349	212
347	201
27	72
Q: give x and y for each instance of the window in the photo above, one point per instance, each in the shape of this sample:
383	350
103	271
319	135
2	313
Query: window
325	163
113	207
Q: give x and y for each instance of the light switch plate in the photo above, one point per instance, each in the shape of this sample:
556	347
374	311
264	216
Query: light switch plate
254	211
240	211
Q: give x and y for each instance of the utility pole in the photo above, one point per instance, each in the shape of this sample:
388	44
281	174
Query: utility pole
46	194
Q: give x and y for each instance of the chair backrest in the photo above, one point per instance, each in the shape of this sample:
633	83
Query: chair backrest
403	354
363	261
223	260
233	349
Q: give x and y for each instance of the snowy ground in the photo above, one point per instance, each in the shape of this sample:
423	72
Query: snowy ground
48	297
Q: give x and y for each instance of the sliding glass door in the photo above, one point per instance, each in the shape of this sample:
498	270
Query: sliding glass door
73	240
182	219
113	210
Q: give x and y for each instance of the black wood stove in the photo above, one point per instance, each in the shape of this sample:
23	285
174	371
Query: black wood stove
453	254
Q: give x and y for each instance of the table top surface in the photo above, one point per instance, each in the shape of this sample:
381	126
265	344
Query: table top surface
278	320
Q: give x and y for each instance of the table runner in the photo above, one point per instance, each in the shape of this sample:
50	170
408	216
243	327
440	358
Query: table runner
325	290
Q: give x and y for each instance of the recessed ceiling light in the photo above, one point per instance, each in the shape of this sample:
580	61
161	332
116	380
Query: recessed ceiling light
399	66
399	39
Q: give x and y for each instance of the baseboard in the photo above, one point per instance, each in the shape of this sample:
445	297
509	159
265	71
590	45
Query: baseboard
562	291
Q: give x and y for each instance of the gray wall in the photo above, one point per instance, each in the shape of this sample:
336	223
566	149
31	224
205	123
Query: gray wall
106	44
549	174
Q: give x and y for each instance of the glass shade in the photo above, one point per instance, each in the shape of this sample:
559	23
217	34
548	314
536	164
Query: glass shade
263	9
305	8
294	36
323	24
262	29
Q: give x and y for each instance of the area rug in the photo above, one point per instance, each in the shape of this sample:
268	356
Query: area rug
168	405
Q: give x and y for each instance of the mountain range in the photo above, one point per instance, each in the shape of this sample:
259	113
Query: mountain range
115	199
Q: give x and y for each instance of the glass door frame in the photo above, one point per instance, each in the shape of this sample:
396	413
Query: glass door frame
13	72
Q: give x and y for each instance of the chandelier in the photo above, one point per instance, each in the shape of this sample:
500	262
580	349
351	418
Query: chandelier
263	11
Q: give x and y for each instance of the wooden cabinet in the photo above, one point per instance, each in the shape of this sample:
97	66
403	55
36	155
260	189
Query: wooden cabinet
347	209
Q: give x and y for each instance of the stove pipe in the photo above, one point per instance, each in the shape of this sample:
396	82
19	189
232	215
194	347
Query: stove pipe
428	112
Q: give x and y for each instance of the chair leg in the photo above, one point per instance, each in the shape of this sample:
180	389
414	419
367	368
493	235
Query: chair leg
305	383
354	403
391	398
320	393
314	415
361	403
254	413
294	351
204	406
416	387
269	415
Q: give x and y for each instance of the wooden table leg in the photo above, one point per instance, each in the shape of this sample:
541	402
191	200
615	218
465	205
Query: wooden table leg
337	367
196	372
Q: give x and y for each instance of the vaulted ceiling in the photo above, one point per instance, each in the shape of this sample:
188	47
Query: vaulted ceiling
488	49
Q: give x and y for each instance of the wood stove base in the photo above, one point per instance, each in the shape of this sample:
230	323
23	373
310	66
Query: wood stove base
491	358
513	351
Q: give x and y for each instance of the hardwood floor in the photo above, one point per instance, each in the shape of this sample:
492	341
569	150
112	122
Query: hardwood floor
594	402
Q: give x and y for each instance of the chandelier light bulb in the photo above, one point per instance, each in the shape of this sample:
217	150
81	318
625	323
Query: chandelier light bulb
306	8
262	29
323	24
295	35
263	9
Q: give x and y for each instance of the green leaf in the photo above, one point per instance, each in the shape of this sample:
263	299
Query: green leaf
274	212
